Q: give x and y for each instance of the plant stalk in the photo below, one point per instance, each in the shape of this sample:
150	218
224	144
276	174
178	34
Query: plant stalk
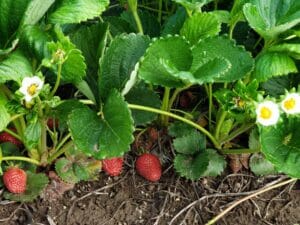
165	107
20	158
195	125
239	151
57	79
236	133
219	124
159	10
60	152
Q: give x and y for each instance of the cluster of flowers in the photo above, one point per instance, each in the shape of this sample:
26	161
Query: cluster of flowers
268	112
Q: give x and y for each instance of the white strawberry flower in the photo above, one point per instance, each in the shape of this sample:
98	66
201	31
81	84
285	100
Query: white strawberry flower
31	87
267	113
291	103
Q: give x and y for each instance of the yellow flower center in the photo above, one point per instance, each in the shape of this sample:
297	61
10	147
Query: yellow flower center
289	104
32	89
265	113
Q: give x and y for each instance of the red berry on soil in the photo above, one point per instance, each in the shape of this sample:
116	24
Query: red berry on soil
6	137
113	166
14	180
149	167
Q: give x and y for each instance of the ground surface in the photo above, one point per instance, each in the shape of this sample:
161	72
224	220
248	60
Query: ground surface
129	199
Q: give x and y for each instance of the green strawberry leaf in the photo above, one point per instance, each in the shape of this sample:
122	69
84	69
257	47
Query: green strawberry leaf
142	95
32	134
281	145
192	5
277	86
63	110
10	18
200	26
260	166
35	11
153	66
34	187
174	23
91	40
74	67
9	149
65	170
5	116
118	25
116	127
76	11
207	71
103	137
292	50
84	126
15	67
190	143
270	18
221	47
119	62
179	129
216	164
273	64
33	39
191	167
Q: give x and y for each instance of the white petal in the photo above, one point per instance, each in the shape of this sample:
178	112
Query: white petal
273	107
294	110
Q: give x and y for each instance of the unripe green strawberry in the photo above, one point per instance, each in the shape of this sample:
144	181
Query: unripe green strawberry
6	137
149	167
113	166
14	180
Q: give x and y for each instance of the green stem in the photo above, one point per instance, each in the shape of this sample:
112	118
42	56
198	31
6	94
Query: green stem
6	91
20	158
237	132
43	142
195	125
60	152
174	96
186	114
138	21
23	124
219	124
57	79
210	106
239	151
63	141
13	134
231	28
165	106
159	11
257	42
215	4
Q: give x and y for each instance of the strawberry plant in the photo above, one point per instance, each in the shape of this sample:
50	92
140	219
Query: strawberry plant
76	83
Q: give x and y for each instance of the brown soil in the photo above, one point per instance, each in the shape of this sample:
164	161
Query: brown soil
129	199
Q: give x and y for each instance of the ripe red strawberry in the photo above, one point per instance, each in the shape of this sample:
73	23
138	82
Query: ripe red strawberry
14	180
113	166
149	167
6	137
